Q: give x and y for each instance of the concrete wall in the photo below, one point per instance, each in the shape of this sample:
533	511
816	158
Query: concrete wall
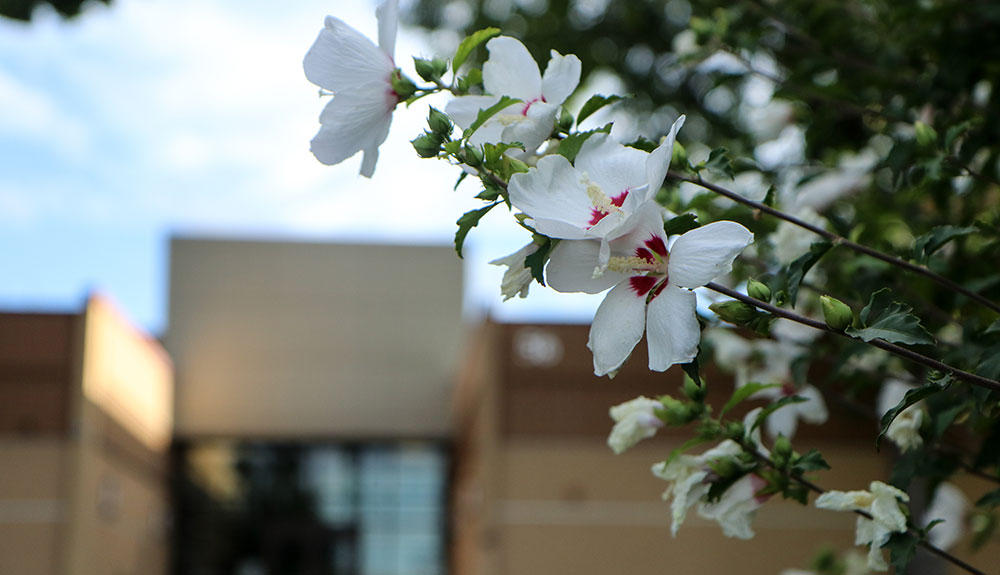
280	339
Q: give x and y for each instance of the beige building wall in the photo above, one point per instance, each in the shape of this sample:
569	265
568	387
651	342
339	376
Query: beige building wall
285	339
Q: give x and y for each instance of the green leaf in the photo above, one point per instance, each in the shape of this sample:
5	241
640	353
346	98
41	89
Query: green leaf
787	400
902	548
468	221
912	396
994	328
811	460
954	132
536	261
719	161
470	43
989	363
684	447
595	103
691	369
798	269
570	146
935	239
740	394
461	178
488	113
991	499
891	321
681	224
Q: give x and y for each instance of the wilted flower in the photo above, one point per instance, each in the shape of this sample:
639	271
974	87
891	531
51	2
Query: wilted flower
686	476
882	503
635	420
735	509
517	278
359	74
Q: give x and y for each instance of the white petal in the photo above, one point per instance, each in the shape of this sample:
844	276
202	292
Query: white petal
571	268
464	110
511	71
531	129
704	253
617	327
552	191
343	59
380	132
658	162
562	75
950	505
646	221
784	421
672	330
813	411
612	166
350	123
388	21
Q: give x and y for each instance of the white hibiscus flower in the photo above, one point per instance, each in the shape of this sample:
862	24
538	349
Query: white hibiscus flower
635	420
882	503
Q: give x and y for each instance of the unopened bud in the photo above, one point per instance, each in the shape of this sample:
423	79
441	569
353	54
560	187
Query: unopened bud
675	412
759	290
693	391
838	315
782	452
473	156
926	135
439	122
734	430
680	156
402	85
566	121
725	467
735	312
427	145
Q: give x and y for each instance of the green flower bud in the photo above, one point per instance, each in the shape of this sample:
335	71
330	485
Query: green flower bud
838	315
693	391
759	290
439	122
680	156
566	121
675	412
782	452
424	68
734	430
473	156
725	467
402	85
926	135
735	312
427	145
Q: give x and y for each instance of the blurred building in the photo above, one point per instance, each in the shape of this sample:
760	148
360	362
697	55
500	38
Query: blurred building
85	422
313	418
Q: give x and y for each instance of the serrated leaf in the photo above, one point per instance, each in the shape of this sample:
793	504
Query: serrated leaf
891	321
912	396
595	103
784	401
797	270
721	162
740	394
470	43
681	224
925	245
902	548
811	460
488	113
536	261
468	221
570	146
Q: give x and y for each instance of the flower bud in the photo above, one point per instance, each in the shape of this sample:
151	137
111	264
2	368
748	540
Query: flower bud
734	430
427	145
837	314
693	391
725	467
675	412
402	85
439	122
680	156
782	452
735	312
566	121
759	290
473	156
926	135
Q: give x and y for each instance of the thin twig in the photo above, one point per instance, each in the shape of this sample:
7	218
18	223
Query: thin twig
972	378
838	239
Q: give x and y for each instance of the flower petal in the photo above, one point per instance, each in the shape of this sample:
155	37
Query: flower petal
658	162
531	128
702	254
562	75
344	59
571	268
672	330
617	327
463	110
552	192
613	167
388	22
511	71
352	122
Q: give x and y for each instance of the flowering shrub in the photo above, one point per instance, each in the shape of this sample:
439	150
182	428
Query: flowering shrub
658	225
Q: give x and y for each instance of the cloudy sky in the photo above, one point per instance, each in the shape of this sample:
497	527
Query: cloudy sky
151	118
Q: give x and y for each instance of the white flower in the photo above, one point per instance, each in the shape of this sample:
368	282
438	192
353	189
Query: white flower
652	286
517	278
791	241
511	71
949	505
359	75
594	197
904	431
882	503
735	509
635	420
686	475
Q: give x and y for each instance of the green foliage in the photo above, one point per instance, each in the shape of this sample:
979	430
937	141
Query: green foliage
771	408
891	321
488	113
536	261
595	103
791	277
681	224
902	548
468	221
570	146
912	396
932	241
740	394
470	43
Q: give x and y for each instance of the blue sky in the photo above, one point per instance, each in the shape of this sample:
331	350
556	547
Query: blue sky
154	117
